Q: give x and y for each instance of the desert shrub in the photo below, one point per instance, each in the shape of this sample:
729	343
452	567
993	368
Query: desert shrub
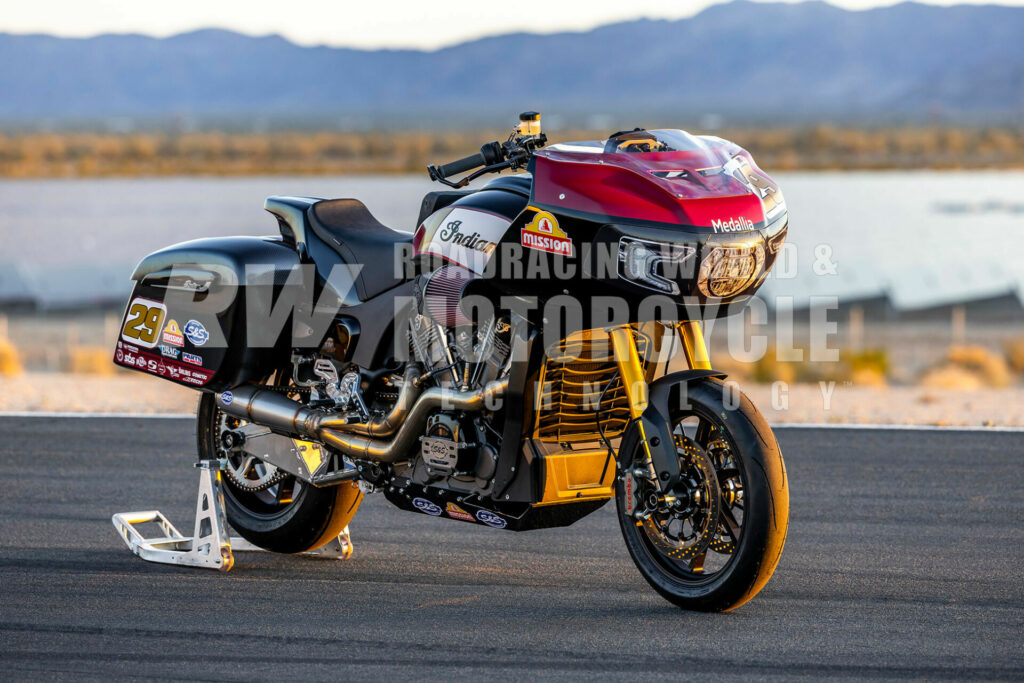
1014	351
90	360
10	362
951	377
968	367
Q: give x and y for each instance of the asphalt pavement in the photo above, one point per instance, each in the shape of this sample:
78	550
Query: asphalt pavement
904	560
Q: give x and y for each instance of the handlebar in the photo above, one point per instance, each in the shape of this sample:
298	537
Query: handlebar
495	157
490	153
461	165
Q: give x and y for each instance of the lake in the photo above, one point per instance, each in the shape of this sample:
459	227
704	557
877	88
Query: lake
923	238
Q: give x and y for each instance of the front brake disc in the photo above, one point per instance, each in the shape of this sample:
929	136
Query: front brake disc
684	528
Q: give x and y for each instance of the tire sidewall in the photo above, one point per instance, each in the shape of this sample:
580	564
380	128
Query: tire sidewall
296	529
766	510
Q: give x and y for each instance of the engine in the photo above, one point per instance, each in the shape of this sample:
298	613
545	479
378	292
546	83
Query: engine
457	451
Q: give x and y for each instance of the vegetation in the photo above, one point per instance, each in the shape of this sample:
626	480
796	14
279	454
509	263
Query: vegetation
10	362
35	155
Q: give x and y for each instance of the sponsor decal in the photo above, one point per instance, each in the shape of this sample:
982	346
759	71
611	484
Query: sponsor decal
143	321
543	234
192	358
740	224
455	512
196	333
162	367
226	398
451	233
172	334
169	351
196	286
491	519
424	505
464	236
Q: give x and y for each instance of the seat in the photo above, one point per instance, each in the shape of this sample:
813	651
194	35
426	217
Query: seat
349	228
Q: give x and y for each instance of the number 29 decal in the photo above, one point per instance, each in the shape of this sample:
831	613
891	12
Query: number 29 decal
143	322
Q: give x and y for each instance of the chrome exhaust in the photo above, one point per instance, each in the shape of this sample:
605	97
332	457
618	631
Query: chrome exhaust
274	410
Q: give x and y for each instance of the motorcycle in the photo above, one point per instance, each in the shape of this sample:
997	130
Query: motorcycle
507	364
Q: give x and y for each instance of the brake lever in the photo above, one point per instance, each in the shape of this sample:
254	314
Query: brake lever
465	180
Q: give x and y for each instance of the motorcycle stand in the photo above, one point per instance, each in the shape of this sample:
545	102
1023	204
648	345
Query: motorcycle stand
209	547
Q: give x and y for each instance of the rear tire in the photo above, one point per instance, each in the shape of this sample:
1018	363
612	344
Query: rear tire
765	508
312	518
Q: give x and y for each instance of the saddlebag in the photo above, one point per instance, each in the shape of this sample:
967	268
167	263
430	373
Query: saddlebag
188	321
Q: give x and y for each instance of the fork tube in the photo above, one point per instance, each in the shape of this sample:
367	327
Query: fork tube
630	370
691	334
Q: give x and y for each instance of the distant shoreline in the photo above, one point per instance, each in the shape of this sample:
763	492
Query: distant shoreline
818	148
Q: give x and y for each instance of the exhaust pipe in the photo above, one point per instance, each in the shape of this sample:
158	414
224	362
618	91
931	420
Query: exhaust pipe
385	425
252	403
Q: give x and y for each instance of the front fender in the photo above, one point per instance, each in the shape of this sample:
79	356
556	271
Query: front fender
654	425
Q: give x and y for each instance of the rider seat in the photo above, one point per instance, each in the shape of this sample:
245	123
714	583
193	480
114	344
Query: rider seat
349	228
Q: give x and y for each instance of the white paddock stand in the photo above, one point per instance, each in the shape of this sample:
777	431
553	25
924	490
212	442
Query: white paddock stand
209	546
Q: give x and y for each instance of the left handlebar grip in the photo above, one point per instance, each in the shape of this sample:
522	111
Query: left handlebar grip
461	165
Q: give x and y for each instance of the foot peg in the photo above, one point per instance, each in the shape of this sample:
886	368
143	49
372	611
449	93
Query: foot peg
209	547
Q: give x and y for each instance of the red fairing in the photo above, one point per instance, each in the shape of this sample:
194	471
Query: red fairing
631	186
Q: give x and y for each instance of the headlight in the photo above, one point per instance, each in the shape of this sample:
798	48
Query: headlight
653	265
728	270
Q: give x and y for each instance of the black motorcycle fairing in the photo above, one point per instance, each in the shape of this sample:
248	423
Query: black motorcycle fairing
518	471
497	514
377	319
439	199
520	183
500	201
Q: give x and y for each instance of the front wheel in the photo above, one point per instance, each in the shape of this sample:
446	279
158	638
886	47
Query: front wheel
713	546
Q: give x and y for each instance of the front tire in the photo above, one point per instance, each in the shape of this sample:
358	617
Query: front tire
287	517
728	568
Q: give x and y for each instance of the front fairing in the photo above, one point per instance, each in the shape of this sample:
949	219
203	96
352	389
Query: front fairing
707	201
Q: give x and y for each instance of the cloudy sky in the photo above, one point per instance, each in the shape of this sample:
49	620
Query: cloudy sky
384	23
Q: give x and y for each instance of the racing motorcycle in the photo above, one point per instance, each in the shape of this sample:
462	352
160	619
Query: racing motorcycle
507	364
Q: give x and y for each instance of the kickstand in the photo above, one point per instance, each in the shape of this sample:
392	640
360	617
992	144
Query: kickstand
209	547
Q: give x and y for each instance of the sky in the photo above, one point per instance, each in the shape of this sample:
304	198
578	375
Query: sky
382	23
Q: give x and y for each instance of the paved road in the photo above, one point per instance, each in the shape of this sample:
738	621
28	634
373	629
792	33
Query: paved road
903	560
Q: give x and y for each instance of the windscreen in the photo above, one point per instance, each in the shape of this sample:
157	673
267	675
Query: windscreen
639	141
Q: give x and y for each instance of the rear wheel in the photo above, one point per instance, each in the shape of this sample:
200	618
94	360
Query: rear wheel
267	506
716	544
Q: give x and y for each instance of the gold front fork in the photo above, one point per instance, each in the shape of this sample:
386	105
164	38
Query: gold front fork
691	334
630	369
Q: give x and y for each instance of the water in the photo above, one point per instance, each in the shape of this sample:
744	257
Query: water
921	238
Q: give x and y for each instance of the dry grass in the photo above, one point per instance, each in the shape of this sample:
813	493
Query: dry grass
969	368
10	361
90	360
320	153
863	368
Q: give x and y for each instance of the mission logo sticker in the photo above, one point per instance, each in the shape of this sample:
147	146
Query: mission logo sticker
172	334
196	333
455	512
543	234
424	505
491	519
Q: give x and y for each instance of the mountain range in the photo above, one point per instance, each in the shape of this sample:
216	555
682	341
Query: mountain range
746	61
